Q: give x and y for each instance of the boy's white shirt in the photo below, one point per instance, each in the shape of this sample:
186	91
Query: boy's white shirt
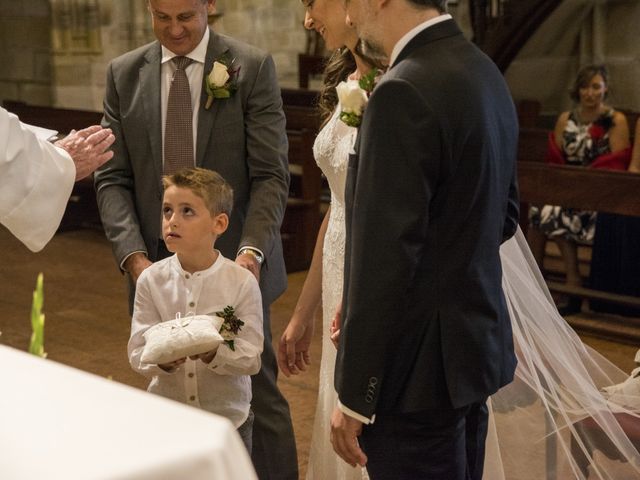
222	387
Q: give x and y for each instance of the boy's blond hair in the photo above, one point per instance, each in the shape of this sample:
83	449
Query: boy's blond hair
207	184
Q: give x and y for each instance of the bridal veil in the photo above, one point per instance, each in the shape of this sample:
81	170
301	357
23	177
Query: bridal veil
553	421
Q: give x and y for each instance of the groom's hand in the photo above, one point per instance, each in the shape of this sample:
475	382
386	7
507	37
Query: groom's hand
345	431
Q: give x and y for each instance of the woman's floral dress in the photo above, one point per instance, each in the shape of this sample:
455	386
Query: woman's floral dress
582	143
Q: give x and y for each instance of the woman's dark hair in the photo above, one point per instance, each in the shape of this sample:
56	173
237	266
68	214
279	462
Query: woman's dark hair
584	77
337	69
340	64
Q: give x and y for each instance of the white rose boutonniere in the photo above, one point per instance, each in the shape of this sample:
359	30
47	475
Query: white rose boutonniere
353	96
352	100
221	81
219	74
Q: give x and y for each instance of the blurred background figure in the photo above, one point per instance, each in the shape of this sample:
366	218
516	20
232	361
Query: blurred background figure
594	135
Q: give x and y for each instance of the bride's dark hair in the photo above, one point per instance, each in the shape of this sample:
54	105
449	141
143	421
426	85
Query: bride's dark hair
337	69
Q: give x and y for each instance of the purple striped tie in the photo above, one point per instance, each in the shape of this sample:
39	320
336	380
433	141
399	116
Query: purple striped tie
178	133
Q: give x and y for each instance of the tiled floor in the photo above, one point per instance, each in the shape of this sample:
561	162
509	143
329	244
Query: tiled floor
87	324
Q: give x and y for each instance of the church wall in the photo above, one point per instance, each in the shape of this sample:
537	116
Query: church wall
25	47
55	52
580	32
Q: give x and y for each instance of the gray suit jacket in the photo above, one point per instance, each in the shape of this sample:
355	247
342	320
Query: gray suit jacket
243	138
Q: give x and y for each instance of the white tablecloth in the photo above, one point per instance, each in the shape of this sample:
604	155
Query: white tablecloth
57	422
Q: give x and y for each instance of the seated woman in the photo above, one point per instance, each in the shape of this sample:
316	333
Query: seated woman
591	135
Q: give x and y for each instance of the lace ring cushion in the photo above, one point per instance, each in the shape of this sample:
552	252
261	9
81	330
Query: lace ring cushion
179	338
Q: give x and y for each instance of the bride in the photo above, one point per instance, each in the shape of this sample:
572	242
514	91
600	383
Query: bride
552	421
323	284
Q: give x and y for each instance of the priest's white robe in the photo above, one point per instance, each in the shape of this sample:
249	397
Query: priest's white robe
36	179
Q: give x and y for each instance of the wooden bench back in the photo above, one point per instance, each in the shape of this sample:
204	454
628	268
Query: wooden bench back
589	189
302	218
61	119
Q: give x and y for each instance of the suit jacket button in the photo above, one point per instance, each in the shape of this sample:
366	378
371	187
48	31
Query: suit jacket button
368	398
373	381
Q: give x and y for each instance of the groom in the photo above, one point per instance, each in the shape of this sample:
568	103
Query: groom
431	195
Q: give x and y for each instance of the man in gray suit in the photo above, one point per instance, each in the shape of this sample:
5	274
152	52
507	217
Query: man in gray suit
243	138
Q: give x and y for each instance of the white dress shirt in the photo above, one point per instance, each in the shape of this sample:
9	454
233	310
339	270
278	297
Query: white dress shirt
223	386
407	37
195	75
36	179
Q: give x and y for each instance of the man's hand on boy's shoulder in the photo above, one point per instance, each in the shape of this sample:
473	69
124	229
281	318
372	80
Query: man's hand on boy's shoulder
249	262
135	264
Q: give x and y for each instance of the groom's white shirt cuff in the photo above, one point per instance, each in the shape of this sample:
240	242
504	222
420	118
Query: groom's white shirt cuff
356	415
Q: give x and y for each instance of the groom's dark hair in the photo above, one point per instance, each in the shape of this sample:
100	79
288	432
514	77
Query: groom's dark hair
440	5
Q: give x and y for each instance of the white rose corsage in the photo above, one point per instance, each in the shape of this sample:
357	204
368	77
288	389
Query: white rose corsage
353	96
221	81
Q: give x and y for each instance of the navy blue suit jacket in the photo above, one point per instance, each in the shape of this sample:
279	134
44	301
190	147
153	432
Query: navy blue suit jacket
431	195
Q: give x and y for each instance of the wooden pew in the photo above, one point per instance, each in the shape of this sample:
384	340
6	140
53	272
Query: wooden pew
589	189
61	119
302	217
82	209
309	65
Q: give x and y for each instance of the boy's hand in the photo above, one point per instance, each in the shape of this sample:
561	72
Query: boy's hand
172	366
206	357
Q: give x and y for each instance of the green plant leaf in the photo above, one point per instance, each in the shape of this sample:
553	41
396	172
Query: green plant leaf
36	345
368	81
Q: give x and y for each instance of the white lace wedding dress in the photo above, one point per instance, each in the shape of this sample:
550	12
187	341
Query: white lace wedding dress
551	422
331	150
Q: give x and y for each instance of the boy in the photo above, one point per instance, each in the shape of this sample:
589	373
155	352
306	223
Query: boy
198	279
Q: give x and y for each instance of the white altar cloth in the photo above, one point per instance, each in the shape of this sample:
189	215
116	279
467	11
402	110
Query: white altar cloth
57	422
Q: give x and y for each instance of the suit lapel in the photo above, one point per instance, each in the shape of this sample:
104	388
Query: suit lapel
206	118
446	28
150	87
